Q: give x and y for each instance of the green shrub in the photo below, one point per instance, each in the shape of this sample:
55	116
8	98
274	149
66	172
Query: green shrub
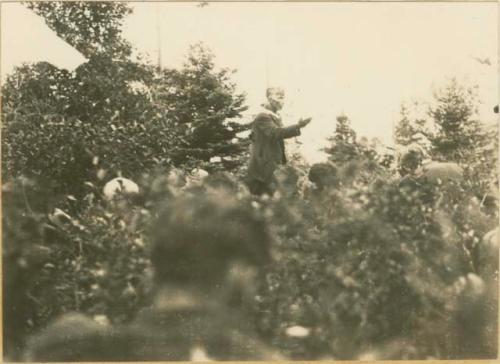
360	266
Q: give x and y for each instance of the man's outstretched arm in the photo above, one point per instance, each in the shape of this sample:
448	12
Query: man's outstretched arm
265	124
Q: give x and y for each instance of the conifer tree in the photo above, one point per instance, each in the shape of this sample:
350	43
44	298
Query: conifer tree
204	103
344	146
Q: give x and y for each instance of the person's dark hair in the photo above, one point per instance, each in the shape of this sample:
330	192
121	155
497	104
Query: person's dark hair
323	174
197	237
410	160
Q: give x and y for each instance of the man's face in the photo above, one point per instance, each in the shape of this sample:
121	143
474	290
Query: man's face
276	99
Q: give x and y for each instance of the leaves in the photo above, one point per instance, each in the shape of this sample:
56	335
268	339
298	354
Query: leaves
448	130
359	261
91	27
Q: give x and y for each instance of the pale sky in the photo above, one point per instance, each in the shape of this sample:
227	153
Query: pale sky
362	59
26	38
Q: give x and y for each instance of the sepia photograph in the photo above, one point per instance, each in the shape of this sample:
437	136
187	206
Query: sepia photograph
249	181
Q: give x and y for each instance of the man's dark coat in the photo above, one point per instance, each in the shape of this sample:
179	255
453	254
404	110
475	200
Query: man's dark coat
268	148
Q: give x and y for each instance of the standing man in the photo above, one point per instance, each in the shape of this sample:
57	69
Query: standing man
268	147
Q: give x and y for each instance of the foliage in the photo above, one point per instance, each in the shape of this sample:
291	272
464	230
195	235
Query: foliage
458	133
451	132
203	102
91	27
364	267
113	114
110	115
344	146
63	126
411	130
366	263
359	264
88	258
346	149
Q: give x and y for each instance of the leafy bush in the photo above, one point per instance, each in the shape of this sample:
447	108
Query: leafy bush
93	261
119	116
364	266
376	264
449	130
358	265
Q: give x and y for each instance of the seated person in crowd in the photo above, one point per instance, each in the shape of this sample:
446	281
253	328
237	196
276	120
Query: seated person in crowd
414	170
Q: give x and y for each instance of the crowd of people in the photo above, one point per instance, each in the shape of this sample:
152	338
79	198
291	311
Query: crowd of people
210	248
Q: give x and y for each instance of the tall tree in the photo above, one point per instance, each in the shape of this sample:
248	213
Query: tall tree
92	27
411	129
459	134
452	132
343	144
203	101
126	115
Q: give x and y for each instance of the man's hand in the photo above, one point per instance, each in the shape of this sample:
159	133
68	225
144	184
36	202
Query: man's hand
304	122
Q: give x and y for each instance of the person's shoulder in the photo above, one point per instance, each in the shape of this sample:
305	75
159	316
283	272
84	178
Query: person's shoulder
265	115
409	181
71	337
76	337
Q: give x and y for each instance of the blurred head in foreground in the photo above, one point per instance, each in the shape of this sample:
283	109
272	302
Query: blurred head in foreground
207	251
323	175
210	243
